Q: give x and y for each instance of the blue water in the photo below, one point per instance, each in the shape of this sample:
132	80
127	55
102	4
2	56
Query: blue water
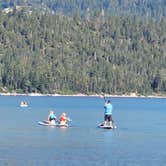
139	139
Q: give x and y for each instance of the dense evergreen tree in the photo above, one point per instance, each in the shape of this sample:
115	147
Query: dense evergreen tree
53	53
146	8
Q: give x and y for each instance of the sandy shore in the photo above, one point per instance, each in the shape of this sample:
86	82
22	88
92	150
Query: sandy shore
132	95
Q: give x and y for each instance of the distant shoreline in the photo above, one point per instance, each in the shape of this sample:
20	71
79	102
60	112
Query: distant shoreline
133	95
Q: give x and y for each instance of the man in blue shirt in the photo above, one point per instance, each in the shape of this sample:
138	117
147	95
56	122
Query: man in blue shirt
108	113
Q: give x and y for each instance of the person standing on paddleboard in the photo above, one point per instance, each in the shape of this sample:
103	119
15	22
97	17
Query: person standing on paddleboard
108	113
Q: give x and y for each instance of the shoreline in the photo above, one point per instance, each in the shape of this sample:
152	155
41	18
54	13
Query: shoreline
133	95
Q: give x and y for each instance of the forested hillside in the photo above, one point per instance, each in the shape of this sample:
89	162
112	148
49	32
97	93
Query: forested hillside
54	53
146	8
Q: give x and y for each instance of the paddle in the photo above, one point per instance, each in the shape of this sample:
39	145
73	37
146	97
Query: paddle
103	96
69	119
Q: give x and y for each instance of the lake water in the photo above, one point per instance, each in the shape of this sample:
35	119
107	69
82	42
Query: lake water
139	140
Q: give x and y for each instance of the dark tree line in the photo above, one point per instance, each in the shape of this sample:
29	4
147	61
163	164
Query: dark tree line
53	53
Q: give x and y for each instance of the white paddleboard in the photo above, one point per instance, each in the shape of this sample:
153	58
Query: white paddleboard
45	123
105	126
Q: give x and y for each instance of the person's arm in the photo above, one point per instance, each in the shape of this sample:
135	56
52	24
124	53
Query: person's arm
66	118
105	105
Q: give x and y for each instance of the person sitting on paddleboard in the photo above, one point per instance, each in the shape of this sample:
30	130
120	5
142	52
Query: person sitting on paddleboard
63	119
108	113
51	117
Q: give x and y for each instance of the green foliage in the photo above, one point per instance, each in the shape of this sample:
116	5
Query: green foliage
50	53
146	8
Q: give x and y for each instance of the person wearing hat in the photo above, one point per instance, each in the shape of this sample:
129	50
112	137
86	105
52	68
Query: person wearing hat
108	114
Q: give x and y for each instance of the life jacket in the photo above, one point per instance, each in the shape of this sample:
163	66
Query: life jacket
52	117
62	119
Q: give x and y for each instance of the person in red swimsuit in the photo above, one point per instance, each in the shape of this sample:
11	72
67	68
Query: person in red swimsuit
63	119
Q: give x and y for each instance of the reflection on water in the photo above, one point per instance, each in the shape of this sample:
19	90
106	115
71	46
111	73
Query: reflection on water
139	139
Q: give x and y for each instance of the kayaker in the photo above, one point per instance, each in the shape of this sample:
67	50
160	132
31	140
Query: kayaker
51	117
63	119
108	113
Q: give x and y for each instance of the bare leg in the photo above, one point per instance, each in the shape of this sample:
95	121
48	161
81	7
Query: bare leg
111	123
105	120
105	123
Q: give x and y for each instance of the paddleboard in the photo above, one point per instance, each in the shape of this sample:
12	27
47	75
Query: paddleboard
62	125
45	123
105	126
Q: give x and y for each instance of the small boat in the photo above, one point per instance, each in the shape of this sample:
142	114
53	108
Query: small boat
101	125
47	123
23	104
